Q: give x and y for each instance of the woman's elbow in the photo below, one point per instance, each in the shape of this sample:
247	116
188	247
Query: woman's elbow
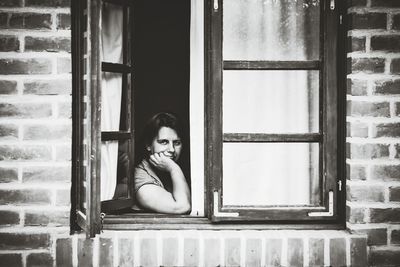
183	208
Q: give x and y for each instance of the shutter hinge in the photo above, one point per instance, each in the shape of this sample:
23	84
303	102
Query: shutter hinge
216	5
102	216
341	19
332	5
324	213
340	185
217	213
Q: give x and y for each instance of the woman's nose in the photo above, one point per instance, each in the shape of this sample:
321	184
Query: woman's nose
171	148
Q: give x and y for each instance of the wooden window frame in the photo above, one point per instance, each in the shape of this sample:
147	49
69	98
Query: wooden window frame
92	223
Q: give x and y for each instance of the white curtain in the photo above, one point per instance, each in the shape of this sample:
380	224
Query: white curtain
111	51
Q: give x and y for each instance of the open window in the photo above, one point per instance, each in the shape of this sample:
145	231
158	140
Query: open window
256	84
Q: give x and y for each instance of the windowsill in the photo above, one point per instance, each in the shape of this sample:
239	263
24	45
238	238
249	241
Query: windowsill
187	222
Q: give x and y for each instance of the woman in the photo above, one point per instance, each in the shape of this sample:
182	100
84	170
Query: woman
160	184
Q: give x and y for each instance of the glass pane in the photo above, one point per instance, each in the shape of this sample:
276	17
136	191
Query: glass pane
270	174
113	105
111	33
271	29
114	169
270	101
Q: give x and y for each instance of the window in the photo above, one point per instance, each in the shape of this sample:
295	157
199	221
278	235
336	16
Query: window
265	138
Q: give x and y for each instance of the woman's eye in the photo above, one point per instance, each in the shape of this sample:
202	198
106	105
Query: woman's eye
163	142
177	143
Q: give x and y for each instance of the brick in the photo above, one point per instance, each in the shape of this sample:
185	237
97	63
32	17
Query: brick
395	65
10	3
8	175
385	172
8	87
36	153
53	218
25	66
47	132
387	87
8	132
34	21
64	21
389	43
367	151
337	248
46	174
48	87
8	260
385	3
394	193
365	193
356	3
295	252
191	252
25	110
368	109
395	237
397	107
49	44
211	252
396	22
375	237
106	252
24	241
316	252
170	252
366	65
273	252
148	250
64	110
85	252
355	172
8	217
232	252
356	87
386	130
357	129
125	250
355	215
63	197
358	252
3	20
39	260
383	257
367	21
8	43
63	153
47	3
64	252
253	252
390	215
25	196
356	44
63	65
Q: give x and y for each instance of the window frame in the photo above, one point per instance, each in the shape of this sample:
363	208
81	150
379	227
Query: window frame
94	222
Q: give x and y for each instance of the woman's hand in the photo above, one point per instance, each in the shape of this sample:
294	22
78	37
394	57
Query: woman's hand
162	162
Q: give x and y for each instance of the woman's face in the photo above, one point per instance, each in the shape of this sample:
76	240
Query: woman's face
168	142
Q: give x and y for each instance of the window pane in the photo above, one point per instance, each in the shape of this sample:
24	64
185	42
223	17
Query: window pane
114	169
270	174
111	103
270	101
271	29
111	34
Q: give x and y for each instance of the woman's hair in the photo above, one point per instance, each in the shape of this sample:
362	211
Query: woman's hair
154	124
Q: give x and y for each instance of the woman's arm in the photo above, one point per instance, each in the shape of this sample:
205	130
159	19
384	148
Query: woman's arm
158	199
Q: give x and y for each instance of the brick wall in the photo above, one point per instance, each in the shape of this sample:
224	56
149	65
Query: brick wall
373	127
35	142
35	129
